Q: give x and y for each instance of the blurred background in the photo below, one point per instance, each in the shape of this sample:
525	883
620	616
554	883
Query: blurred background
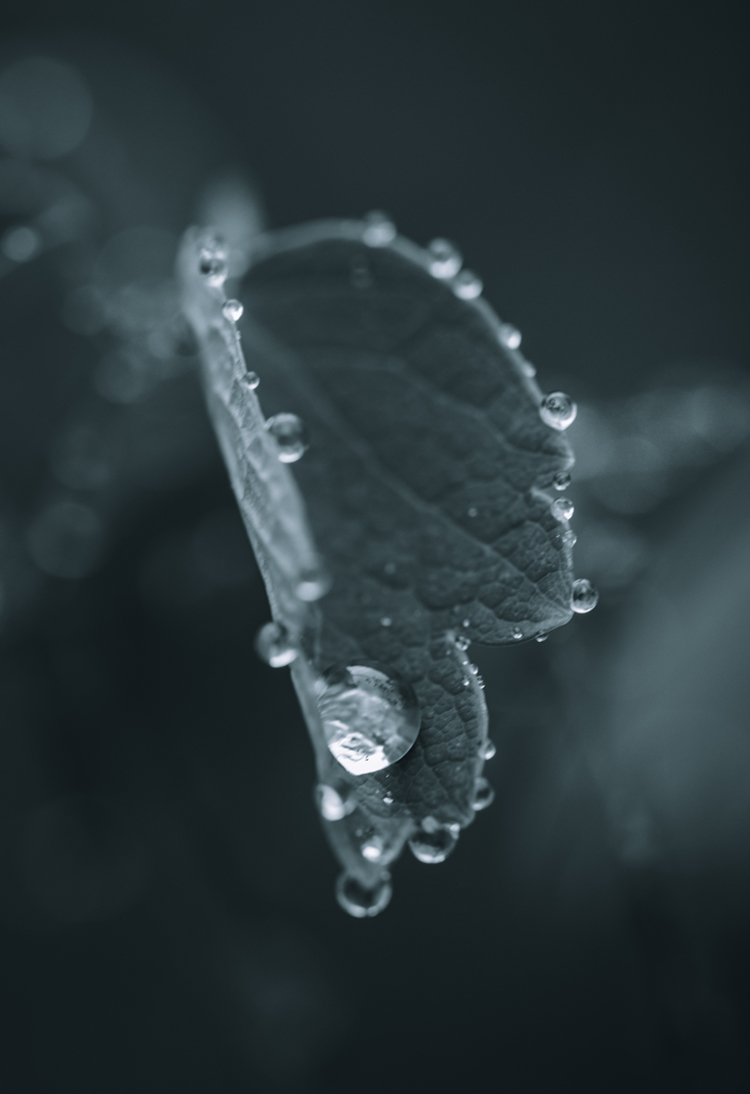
167	920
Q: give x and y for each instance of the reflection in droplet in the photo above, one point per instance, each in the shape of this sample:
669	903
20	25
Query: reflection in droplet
232	310
370	716
379	229
484	795
489	749
467	285
252	380
445	258
562	480
433	846
562	509
361	902
334	803
65	539
510	336
289	433
585	597
463	642
274	645
372	848
558	410
20	244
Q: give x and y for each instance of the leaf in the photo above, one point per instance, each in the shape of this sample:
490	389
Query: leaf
424	491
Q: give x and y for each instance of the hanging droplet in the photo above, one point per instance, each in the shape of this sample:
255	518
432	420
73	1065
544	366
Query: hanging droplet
562	509
360	901
274	646
542	637
372	849
558	410
289	433
585	597
467	285
516	633
488	749
463	642
510	336
232	310
252	380
433	846
213	263
484	795
569	538
561	480
445	258
313	584
370	716
379	229
334	804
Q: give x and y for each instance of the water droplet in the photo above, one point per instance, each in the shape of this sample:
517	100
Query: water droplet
542	637
360	901
388	799
433	846
232	310
274	646
488	750
569	538
334	804
473	670
370	716
372	848
585	597
467	682
386	621
562	480
510	336
252	379
213	262
289	433
484	795
467	285
463	642
517	633
562	509
312	585
558	410
379	229
445	258
473	511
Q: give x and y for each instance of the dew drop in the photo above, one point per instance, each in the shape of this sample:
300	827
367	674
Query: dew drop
445	258
484	795
473	670
388	799
488	750
372	849
558	410
463	642
232	310
517	633
386	621
333	804
433	846
274	646
510	336
361	902
562	509
312	585
585	597
370	716
542	637
379	229
569	538
467	285
213	263
252	380
289	433
562	480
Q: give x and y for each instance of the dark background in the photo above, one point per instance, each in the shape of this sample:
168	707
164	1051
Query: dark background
168	911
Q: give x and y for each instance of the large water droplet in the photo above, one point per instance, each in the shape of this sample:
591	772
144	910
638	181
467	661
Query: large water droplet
561	480
585	597
510	336
232	310
212	262
274	646
289	433
488	749
361	902
370	716
562	509
433	846
252	380
379	229
558	410
445	258
467	285
484	795
334	804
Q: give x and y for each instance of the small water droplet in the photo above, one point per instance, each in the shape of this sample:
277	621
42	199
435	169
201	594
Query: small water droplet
562	480
360	901
372	849
388	799
473	670
445	258
252	380
370	716
467	682
289	433
562	509
517	633
433	846
274	646
212	262
379	229
585	597
510	336
542	637
488	749
484	795
558	410
232	310
386	621
334	804
463	642
569	538
313	584
467	285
